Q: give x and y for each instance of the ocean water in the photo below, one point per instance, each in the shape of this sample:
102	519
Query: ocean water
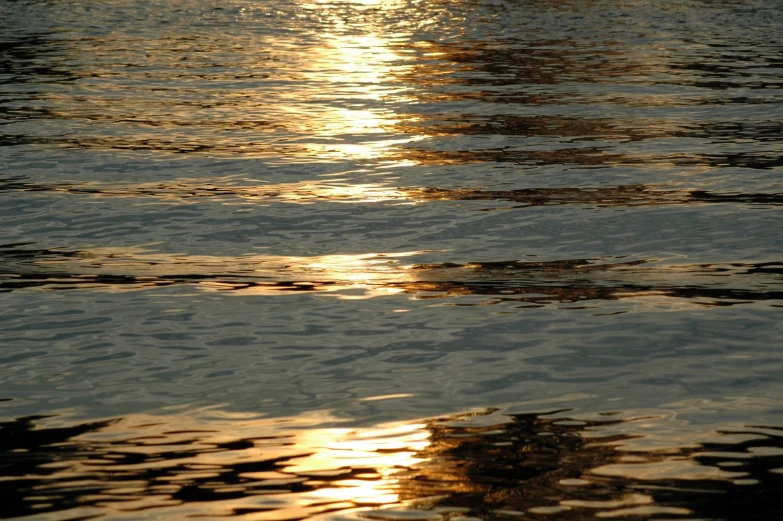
391	260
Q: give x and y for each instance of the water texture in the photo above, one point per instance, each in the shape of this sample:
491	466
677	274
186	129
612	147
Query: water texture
392	260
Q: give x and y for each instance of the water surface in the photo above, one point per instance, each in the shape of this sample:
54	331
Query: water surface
391	259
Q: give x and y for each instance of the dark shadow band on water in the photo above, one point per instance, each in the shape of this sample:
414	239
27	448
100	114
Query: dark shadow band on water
485	464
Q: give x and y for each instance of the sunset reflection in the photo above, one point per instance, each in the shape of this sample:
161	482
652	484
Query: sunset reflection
642	284
481	464
288	467
358	59
344	188
377	273
391	260
232	190
331	94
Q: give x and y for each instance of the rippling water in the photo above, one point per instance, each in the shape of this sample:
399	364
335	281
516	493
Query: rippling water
410	260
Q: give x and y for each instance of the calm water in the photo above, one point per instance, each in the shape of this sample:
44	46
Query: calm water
391	260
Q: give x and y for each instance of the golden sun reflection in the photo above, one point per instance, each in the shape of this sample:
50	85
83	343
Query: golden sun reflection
374	273
641	285
357	64
384	451
270	468
369	3
240	190
312	466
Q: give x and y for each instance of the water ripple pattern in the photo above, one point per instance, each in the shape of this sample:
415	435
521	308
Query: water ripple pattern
413	260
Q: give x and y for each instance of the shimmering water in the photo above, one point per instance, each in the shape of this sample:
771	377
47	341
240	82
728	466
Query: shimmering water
417	260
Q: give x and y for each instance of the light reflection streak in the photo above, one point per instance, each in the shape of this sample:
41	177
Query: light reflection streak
313	466
575	283
337	190
330	92
359	63
377	273
342	188
312	469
